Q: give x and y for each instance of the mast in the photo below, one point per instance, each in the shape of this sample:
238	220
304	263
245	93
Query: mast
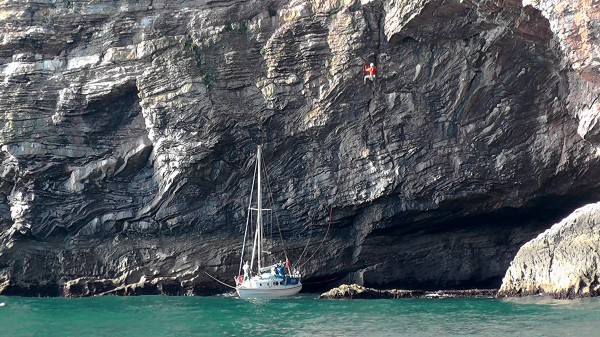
247	225
259	224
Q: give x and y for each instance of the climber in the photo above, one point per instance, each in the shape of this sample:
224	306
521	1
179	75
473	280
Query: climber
371	70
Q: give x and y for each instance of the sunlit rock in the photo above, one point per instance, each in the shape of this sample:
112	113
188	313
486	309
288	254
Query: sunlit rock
562	262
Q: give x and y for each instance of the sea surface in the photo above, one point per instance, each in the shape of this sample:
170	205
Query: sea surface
299	316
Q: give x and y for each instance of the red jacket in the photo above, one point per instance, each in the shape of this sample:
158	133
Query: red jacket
371	70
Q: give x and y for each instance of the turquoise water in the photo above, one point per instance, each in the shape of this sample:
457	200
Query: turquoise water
300	316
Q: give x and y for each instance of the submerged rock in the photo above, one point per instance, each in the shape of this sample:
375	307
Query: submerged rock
563	261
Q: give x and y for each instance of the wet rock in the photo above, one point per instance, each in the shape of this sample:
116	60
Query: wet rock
561	262
354	291
83	287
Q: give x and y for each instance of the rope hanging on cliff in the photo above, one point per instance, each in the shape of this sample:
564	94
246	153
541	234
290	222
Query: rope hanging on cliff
305	250
320	244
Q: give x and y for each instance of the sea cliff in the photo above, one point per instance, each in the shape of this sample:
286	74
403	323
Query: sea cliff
127	128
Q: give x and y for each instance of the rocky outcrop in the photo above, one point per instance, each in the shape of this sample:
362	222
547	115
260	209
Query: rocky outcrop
126	129
354	291
562	262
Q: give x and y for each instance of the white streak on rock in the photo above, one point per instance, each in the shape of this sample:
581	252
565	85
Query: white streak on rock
589	121
82	61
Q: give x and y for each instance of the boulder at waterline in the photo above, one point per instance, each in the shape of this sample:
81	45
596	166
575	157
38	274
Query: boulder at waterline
562	262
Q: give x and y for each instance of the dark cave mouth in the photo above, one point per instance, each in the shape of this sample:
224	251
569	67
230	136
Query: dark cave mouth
532	219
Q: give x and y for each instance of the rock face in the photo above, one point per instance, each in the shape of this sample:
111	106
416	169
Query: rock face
126	129
563	261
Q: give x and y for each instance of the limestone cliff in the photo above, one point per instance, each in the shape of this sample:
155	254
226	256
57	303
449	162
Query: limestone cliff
562	261
127	128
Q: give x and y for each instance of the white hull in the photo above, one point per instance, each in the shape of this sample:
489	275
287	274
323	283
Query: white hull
273	292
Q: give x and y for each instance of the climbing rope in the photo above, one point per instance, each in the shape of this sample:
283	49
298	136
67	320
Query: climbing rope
307	243
322	241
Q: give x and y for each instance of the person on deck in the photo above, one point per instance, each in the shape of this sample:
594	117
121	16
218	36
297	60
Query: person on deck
246	268
280	271
371	70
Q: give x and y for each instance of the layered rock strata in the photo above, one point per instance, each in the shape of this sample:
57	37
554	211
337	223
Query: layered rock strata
563	261
126	129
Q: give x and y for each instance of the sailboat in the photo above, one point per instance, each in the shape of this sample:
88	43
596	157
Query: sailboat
255	279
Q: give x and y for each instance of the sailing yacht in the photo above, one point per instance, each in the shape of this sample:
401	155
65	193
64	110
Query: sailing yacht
255	279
